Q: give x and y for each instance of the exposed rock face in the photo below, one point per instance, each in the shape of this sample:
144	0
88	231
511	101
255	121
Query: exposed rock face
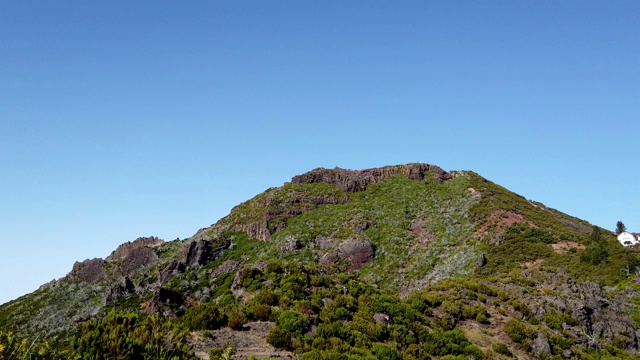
598	316
258	230
202	252
138	258
356	251
125	287
163	300
123	250
89	270
601	316
291	244
225	268
171	270
541	345
358	180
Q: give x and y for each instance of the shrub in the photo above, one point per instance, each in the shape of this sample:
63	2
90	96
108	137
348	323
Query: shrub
266	297
236	317
384	352
204	316
518	331
501	348
279	338
262	312
294	322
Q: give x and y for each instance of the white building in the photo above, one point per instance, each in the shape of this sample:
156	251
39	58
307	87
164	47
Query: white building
627	239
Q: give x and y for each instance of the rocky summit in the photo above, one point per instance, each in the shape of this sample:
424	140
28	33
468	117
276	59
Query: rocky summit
398	262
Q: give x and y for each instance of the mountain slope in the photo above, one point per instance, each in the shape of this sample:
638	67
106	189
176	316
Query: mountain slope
455	258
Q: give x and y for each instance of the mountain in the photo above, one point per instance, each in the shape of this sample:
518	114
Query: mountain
397	262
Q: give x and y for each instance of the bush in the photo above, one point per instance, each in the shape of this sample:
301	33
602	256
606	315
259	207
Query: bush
294	322
279	338
518	331
205	316
129	336
501	348
384	352
266	298
262	312
236	318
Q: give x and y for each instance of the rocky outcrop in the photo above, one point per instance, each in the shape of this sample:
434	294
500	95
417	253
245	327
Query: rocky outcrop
202	252
125	249
541	346
89	270
291	244
164	301
598	317
124	287
136	259
174	268
257	230
355	251
225	268
358	180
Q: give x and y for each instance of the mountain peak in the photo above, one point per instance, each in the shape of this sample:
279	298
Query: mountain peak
358	180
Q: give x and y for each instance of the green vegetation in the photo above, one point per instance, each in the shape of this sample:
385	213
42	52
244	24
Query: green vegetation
426	293
129	336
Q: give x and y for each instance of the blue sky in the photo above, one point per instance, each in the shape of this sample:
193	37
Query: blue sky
123	119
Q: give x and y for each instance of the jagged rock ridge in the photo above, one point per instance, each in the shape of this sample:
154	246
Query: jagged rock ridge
358	180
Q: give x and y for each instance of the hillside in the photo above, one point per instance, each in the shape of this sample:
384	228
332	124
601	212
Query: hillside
398	262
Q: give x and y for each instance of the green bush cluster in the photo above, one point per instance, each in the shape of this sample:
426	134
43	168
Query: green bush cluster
130	336
342	309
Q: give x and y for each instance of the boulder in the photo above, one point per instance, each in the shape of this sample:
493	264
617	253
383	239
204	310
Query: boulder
482	261
541	346
356	251
382	319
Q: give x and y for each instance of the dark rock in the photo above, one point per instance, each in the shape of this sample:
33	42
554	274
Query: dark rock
202	252
163	301
358	180
482	261
226	267
125	249
89	270
356	251
138	258
123	288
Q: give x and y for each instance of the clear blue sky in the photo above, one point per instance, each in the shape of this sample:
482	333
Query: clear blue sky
121	119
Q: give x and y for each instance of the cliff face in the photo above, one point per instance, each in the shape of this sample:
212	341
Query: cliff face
358	180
